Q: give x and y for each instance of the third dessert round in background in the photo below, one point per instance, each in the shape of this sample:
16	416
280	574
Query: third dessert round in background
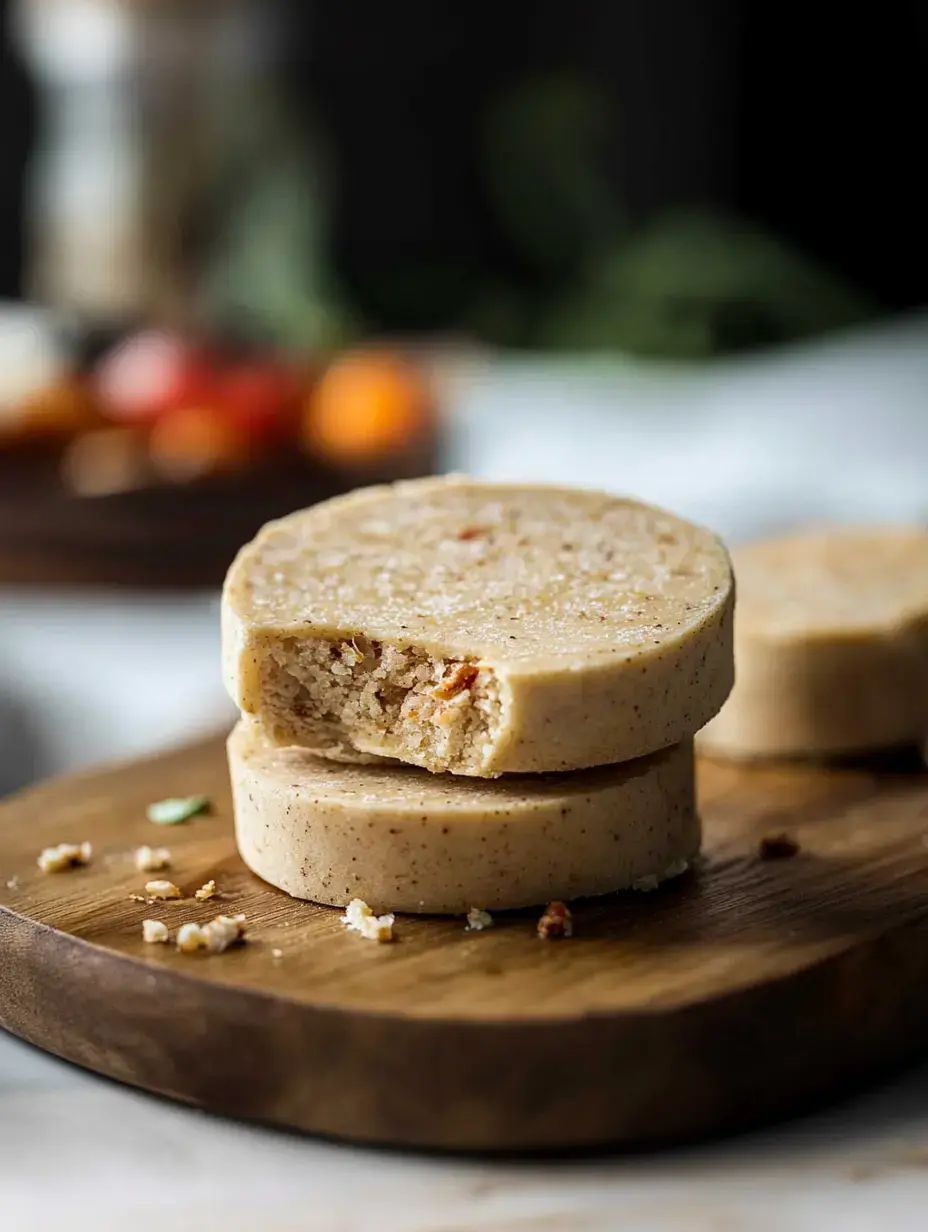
831	645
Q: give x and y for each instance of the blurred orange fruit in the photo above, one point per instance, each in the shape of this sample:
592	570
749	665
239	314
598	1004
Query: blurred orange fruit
194	441
106	461
62	409
366	406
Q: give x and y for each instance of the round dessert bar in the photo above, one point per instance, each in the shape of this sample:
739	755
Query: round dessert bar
480	628
403	839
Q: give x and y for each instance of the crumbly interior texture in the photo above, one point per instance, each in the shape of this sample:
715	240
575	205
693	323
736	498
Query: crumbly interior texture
331	696
480	628
831	646
403	839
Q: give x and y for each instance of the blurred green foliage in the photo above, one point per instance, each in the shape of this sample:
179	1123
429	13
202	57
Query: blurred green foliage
693	285
269	275
545	149
685	284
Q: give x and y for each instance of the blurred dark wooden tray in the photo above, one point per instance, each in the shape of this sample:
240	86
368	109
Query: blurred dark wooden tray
176	536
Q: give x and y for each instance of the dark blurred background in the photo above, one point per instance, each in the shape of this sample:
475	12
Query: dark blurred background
255	253
543	174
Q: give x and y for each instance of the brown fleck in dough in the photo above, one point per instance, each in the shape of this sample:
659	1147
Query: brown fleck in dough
406	840
577	629
831	646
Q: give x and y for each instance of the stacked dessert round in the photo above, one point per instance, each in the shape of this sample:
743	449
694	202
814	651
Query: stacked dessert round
464	694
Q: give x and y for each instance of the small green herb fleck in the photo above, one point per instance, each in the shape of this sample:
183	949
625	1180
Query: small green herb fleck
176	809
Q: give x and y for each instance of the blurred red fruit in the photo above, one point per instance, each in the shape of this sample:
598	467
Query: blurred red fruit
151	373
261	398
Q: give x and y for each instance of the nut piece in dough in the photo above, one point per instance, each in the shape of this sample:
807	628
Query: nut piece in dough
576	629
408	840
831	646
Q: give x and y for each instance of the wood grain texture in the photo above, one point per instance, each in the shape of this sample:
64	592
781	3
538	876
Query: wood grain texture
746	991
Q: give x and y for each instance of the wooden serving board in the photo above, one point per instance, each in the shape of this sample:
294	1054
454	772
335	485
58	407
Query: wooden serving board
746	991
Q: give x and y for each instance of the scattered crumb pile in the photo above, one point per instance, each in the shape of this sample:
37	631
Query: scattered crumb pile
478	920
359	917
212	938
64	856
557	922
155	931
152	859
162	889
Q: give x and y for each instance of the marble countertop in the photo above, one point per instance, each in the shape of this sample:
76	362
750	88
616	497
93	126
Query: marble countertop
80	1152
832	432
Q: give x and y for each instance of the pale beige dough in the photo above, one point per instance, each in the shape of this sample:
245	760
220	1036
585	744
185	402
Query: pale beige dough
831	645
480	628
402	839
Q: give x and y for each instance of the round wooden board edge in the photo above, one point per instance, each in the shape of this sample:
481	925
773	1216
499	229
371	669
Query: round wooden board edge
628	1081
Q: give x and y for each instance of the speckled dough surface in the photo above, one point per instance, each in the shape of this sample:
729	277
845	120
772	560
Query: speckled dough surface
831	645
406	840
480	628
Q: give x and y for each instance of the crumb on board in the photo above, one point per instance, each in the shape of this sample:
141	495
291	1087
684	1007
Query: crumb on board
644	885
359	918
155	932
152	859
13	883
64	856
677	869
557	922
190	938
275	954
651	881
208	890
162	889
478	920
777	847
224	931
214	937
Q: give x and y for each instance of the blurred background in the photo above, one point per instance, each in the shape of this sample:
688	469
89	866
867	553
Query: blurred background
256	253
